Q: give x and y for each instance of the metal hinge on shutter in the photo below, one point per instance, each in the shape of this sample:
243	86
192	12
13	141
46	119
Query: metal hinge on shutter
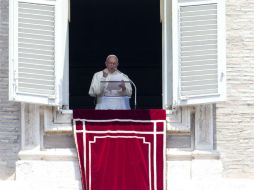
52	97
184	98
15	82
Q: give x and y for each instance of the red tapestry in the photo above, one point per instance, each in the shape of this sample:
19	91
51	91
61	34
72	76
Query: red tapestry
121	150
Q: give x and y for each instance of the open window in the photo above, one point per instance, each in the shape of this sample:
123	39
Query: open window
38	51
193	52
131	29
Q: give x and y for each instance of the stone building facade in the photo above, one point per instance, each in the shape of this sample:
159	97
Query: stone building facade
35	138
10	122
234	118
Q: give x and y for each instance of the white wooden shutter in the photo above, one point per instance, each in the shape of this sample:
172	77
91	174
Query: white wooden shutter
198	35
38	50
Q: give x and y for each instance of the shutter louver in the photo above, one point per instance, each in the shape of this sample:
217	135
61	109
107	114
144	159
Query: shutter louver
36	53
39	51
198	50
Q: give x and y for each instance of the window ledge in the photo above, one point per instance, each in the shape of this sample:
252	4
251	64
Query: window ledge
49	154
187	154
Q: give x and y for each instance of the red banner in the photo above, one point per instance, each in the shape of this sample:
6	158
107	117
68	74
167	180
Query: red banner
121	154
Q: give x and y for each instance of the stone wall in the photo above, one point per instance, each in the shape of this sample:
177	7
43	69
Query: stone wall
235	117
9	111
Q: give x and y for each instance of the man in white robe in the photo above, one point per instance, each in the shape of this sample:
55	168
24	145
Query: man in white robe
111	87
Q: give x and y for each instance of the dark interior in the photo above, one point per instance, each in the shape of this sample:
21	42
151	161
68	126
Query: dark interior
131	29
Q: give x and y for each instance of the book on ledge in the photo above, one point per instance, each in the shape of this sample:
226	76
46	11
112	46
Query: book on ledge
113	88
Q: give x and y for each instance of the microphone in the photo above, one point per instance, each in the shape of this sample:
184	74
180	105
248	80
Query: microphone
135	93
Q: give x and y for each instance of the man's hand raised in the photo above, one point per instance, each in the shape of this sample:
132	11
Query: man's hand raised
105	73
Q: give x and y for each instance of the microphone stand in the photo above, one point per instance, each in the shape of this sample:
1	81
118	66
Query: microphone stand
135	88
135	94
